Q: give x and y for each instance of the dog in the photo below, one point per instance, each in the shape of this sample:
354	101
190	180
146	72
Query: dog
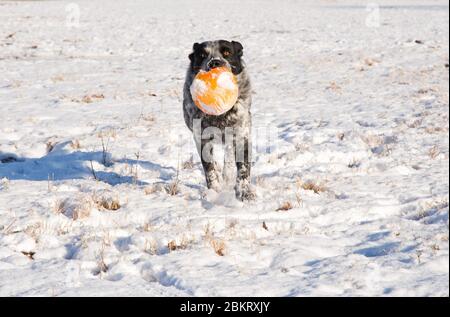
233	126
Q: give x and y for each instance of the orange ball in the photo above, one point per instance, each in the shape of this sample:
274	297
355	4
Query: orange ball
215	92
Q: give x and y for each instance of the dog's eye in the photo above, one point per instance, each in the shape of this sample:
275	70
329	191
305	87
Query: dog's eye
226	53
203	55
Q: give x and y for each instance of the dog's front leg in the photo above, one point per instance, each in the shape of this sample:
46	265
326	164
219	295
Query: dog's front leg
229	169
243	147
205	147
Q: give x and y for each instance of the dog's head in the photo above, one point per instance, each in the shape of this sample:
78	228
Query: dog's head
212	54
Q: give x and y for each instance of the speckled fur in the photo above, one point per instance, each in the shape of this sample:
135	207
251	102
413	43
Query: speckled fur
236	121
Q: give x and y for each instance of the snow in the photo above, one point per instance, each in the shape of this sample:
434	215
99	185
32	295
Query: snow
353	97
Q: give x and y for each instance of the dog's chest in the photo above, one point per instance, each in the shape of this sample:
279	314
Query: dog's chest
235	117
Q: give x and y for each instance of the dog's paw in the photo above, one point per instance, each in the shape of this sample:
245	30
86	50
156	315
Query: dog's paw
214	179
245	192
215	185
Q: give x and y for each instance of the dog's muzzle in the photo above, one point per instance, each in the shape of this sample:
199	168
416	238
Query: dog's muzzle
214	63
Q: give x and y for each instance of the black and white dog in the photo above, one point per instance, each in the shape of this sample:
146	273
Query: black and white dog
232	128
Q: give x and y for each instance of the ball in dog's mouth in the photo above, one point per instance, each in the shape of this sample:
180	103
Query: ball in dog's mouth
216	91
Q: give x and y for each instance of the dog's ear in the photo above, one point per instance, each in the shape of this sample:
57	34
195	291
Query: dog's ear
194	48
238	48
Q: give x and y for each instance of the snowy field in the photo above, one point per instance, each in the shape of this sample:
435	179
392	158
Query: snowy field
98	191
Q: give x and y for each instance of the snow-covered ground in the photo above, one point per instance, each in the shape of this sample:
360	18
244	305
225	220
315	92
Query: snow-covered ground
352	196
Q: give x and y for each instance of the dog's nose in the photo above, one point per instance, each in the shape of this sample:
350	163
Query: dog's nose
214	63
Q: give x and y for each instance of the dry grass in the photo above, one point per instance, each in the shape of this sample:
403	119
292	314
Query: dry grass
173	188
208	232
299	199
104	203
429	208
102	266
173	246
317	188
424	91
147	227
110	204
106	240
419	254
232	223
302	147
185	241
105	137
35	231
372	140
433	130
92	98
189	164
218	246
75	144
371	61
154	188
435	247
9	228
4	184
82	210
29	255
149	117
107	133
50	146
77	210
415	124
434	152
64	229
334	87
261	181
57	78
151	247
151	190
285	206
354	163
60	206
135	170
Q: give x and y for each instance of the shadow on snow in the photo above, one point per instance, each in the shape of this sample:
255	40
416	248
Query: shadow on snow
65	166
